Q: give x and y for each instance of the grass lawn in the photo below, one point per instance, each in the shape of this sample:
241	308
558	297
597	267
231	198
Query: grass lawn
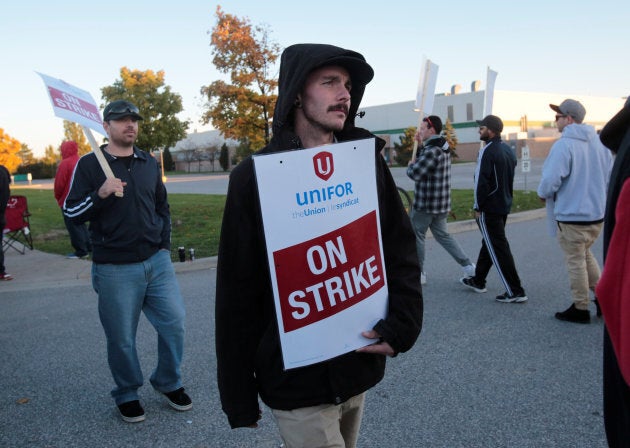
196	219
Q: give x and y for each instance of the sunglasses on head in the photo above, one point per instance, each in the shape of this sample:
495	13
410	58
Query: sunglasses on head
428	121
124	108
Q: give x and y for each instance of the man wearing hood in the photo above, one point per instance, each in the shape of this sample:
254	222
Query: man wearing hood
320	89
79	236
431	171
574	176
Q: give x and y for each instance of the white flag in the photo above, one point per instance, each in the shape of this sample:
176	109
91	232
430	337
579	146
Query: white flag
426	87
491	77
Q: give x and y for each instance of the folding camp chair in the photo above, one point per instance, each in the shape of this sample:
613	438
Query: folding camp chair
17	230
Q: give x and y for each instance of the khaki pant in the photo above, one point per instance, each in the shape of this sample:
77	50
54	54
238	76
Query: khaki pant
324	426
584	272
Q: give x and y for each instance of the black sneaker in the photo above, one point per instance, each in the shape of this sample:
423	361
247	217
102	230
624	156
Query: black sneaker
516	298
572	314
131	411
178	399
471	283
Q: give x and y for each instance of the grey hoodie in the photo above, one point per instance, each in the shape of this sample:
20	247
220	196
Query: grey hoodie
575	175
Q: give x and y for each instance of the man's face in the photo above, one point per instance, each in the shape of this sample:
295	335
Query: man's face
484	133
325	99
424	132
562	121
122	132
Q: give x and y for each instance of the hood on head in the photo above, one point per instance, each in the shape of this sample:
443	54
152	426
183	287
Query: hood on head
613	132
69	148
299	60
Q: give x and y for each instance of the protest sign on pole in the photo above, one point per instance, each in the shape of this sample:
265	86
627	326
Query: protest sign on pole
77	105
425	95
73	104
491	77
322	231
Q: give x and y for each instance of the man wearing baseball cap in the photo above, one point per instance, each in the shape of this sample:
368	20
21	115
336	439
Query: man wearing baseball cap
494	180
319	91
132	272
574	179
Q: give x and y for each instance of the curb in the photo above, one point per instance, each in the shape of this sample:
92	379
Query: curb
471	224
40	270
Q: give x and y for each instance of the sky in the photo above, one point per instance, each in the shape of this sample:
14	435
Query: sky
574	47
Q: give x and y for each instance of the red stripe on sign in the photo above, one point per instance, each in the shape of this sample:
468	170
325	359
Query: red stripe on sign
328	274
64	100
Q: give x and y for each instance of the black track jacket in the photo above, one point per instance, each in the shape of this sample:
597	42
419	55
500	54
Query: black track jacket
128	229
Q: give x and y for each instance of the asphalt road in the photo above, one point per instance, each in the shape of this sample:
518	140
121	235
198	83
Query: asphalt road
483	373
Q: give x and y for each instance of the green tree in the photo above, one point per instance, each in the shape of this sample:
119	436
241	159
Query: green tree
451	137
224	157
158	106
73	131
404	149
9	151
26	155
51	156
243	108
167	159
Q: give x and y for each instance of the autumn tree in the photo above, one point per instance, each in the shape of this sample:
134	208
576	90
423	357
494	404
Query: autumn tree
26	155
74	131
9	149
243	108
451	137
404	149
51	156
158	106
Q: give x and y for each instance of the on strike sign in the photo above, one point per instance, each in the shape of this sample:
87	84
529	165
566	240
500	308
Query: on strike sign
73	104
320	215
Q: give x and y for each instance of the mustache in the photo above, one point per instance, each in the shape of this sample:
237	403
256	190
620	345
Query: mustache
338	107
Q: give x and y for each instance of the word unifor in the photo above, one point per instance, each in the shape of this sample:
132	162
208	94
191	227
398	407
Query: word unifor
323	194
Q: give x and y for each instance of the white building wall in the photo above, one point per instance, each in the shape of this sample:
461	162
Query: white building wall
510	106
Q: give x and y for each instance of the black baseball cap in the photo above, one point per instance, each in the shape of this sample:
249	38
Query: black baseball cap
492	122
119	109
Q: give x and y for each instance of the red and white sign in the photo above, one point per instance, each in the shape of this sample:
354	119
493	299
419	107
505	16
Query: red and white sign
320	214
73	104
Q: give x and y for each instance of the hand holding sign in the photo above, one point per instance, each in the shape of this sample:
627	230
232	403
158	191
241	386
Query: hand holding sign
378	348
74	104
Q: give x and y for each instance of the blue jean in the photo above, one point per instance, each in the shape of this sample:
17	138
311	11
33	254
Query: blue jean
124	290
437	223
79	237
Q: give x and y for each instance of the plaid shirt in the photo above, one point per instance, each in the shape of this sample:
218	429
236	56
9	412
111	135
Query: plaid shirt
432	174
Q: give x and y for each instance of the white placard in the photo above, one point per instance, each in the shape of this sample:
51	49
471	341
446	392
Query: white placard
323	237
73	104
425	95
491	78
525	166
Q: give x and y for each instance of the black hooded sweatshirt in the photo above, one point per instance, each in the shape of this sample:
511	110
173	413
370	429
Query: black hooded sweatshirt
249	357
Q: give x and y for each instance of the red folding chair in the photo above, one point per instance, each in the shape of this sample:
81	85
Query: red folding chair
17	230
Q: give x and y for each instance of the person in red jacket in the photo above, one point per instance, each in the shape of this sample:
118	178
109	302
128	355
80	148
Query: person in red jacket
79	235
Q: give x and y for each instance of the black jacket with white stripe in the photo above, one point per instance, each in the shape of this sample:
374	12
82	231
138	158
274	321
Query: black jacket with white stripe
126	229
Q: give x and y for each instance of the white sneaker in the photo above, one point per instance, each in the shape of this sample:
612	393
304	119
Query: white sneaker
469	271
423	278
